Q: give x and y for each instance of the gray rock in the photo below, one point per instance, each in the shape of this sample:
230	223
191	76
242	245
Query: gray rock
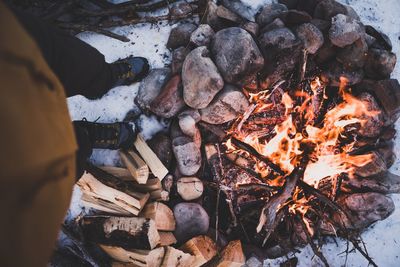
354	55
382	40
178	57
180	35
202	35
251	27
367	208
327	9
187	154
311	37
308	6
201	79
380	64
226	106
351	12
373	123
291	4
295	17
191	220
345	30
239	8
211	16
276	24
182	8
336	70
281	38
151	87
253	262
271	12
282	50
326	53
188	120
236	55
321	24
170	101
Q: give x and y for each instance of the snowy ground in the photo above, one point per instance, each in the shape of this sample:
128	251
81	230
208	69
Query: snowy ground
382	239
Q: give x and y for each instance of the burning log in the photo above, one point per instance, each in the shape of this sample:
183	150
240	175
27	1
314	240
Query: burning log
136	166
125	232
202	248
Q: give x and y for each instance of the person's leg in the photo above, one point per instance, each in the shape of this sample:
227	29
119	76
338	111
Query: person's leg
80	67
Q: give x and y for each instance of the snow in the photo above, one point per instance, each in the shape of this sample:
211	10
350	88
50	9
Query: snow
382	239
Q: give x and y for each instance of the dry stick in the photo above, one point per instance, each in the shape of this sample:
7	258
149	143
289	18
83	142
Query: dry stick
306	187
310	241
254	152
132	7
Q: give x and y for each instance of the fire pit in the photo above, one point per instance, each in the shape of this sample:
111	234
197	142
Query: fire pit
281	131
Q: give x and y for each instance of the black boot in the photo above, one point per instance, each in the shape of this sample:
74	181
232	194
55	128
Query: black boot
129	70
106	135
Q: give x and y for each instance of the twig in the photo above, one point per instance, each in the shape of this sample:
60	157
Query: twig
254	152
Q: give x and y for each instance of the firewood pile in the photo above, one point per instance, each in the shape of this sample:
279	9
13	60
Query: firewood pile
281	129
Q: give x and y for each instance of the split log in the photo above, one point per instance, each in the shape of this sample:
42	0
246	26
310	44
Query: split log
99	204
177	258
138	258
154	163
231	256
167	238
110	189
125	232
202	248
161	214
121	173
136	166
189	188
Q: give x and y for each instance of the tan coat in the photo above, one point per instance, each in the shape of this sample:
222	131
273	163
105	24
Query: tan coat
37	144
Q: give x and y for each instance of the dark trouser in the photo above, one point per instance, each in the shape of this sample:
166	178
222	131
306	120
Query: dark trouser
80	67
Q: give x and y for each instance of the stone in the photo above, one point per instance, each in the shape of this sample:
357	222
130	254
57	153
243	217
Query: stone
295	17
311	37
170	101
226	106
382	40
236	6
307	6
379	64
351	12
236	55
345	30
253	262
201	79
282	50
290	4
322	25
202	35
370	40
187	122
366	208
187	154
374	122
251	27
182	9
276	24
151	87
178	57
335	71
326	53
271	12
228	17
353	56
211	17
326	9
162	146
281	38
180	35
191	220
